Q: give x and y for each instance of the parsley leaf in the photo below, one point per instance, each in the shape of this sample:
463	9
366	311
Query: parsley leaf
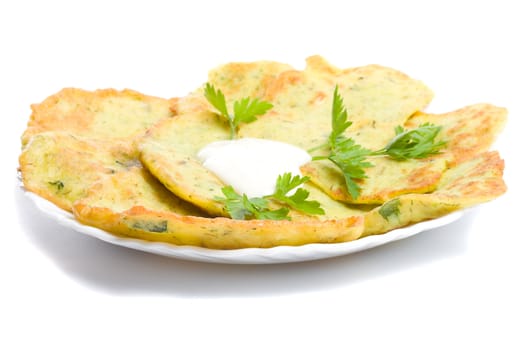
351	159
245	110
339	118
414	144
216	99
241	207
234	203
348	156
286	183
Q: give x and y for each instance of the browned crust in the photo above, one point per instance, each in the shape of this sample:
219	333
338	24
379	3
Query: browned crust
423	177
473	181
468	131
74	110
220	232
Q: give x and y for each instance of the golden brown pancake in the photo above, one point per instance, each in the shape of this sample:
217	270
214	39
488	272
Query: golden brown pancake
126	205
301	115
100	114
377	99
59	166
471	182
136	213
468	131
76	137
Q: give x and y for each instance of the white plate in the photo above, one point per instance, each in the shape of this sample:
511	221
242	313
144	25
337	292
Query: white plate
281	254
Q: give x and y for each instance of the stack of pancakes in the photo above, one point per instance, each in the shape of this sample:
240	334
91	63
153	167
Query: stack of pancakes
127	163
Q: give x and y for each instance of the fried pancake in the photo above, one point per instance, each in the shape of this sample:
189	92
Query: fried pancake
137	187
235	80
468	131
474	181
130	210
302	116
127	205
387	179
377	98
59	166
169	151
246	79
101	114
77	137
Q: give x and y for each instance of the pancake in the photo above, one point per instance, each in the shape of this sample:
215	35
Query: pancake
130	210
386	179
470	182
126	205
59	166
106	113
76	137
169	151
137	187
468	131
377	98
246	79
169	148
301	115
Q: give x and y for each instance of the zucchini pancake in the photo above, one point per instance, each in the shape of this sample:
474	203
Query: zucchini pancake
132	164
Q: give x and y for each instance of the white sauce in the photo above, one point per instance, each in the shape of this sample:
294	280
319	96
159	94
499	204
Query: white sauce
250	165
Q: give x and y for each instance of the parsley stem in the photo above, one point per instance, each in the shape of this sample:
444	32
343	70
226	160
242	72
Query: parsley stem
233	130
380	152
326	144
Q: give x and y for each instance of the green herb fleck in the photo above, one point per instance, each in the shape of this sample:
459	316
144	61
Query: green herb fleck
151	226
390	208
58	184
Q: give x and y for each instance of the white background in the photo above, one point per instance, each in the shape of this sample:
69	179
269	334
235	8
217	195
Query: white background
456	287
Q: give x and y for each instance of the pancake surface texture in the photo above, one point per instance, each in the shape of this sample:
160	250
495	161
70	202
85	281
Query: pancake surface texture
105	113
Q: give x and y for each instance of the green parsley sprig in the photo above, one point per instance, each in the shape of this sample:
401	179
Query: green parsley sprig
241	207
285	184
351	158
245	110
413	144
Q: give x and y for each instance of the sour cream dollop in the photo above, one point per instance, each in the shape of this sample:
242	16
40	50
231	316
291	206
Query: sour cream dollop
251	165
